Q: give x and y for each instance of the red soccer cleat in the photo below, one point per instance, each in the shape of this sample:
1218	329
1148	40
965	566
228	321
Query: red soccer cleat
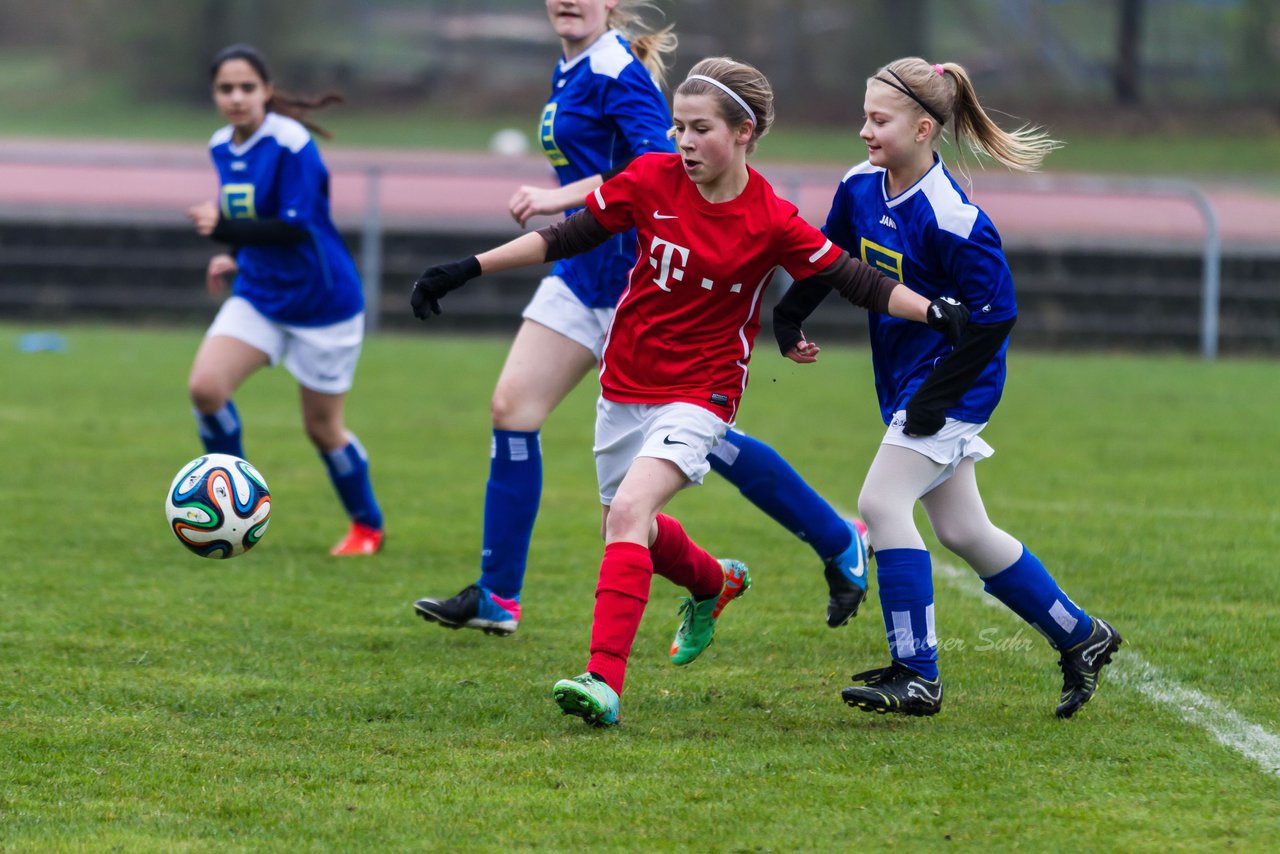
360	540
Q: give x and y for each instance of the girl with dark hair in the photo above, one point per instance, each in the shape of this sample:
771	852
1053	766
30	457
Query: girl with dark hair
295	297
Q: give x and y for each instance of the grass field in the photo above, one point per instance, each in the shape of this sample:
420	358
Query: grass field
287	701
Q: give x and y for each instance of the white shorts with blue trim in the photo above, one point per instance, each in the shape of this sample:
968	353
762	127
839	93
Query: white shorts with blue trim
321	358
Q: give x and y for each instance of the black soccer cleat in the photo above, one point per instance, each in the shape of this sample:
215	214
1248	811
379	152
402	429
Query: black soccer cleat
846	575
1082	664
844	596
473	608
896	689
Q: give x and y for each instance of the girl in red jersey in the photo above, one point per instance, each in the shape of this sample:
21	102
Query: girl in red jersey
710	232
606	107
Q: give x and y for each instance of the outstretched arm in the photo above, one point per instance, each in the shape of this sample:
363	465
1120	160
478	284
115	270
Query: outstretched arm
525	251
530	201
572	236
864	286
789	315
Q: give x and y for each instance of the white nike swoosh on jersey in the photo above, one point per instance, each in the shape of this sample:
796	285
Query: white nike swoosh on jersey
657	215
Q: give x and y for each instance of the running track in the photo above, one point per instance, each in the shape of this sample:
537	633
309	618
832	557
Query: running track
157	182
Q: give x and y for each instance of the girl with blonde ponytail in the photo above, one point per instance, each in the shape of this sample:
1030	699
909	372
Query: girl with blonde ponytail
902	212
945	94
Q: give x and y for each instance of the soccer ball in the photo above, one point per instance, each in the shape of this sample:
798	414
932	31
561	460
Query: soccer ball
218	506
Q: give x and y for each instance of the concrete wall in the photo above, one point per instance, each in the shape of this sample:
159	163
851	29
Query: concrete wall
1124	298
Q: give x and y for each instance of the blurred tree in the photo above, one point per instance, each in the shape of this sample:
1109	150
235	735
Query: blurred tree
1128	65
25	23
1260	52
473	54
903	26
161	49
817	53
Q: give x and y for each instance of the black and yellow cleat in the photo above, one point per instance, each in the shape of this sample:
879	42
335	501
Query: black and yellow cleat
1082	664
896	689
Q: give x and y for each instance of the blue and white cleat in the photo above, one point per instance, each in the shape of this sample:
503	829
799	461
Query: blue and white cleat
473	608
846	575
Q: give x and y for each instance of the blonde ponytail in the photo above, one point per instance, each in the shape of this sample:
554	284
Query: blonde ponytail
946	92
652	47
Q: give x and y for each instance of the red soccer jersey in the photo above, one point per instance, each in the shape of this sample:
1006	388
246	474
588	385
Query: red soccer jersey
684	326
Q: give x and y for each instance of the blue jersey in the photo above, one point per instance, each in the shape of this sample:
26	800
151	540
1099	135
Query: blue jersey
932	239
605	109
278	174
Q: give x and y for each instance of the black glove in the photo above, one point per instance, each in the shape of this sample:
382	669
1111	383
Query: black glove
949	317
437	281
924	419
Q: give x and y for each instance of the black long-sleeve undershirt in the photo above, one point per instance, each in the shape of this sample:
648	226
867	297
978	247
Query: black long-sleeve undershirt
257	232
574	235
859	283
954	375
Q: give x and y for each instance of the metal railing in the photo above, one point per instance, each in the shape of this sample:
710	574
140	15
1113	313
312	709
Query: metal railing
1211	250
378	169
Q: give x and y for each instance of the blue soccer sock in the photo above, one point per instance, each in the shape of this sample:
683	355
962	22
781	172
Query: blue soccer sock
349	470
905	578
510	507
220	431
1028	590
770	483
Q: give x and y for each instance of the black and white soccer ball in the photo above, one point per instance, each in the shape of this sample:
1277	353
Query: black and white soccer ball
218	506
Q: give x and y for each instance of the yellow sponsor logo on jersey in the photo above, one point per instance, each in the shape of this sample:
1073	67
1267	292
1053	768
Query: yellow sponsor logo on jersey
882	258
547	135
237	201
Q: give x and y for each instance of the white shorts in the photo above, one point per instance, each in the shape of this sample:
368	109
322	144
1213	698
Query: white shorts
321	358
559	309
680	432
956	442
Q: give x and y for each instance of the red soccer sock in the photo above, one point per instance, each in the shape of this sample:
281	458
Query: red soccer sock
680	559
621	594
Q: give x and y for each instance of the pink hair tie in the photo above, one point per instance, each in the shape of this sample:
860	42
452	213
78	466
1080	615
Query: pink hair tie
939	69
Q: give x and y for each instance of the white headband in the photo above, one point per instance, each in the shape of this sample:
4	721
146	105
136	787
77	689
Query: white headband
732	94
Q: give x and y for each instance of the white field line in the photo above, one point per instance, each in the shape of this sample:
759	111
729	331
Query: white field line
1225	725
1146	511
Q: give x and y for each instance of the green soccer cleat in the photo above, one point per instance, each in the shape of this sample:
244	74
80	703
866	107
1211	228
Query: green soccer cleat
589	698
698	628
